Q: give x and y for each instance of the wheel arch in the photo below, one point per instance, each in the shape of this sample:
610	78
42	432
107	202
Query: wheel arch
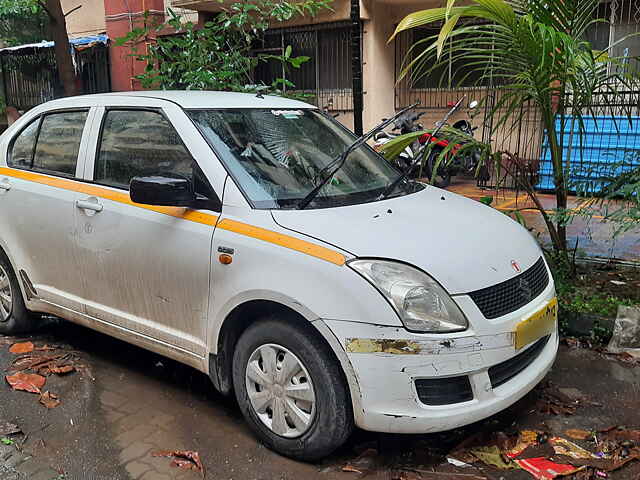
248	313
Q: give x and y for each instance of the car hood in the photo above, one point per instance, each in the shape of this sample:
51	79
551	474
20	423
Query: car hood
461	243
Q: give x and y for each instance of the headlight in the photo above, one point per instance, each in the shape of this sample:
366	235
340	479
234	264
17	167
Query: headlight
422	304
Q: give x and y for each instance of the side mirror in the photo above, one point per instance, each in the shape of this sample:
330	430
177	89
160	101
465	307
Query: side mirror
473	105
169	190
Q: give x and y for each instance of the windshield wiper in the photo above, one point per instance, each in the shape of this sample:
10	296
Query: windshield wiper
336	164
392	186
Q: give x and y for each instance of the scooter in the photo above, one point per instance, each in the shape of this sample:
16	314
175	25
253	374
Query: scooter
406	123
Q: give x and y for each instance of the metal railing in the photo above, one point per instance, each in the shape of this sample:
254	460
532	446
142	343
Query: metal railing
30	75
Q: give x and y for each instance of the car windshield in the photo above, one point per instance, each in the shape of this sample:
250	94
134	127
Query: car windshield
276	156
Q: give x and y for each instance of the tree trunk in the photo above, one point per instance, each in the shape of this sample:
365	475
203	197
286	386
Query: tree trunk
62	48
560	240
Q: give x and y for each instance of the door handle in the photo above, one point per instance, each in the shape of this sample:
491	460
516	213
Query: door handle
89	205
5	185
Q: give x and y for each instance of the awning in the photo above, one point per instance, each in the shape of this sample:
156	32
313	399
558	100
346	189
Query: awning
80	41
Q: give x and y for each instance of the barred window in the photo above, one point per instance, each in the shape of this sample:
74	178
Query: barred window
326	76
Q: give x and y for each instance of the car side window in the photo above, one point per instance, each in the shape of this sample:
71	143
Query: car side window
137	143
58	143
21	153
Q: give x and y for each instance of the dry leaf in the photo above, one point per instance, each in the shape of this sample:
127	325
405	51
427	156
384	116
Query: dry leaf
32	362
45	348
350	468
62	370
577	434
29	382
20	348
49	400
8	429
185	459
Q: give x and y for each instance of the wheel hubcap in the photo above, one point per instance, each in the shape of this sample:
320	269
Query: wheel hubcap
6	302
280	390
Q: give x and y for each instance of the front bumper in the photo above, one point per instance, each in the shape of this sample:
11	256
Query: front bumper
387	361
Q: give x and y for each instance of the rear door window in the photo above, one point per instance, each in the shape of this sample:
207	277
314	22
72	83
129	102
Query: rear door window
59	143
21	155
50	144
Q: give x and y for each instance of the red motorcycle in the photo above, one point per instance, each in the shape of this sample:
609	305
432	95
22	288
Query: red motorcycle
455	163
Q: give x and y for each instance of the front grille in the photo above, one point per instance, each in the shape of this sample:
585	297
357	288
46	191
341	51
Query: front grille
507	297
505	371
444	391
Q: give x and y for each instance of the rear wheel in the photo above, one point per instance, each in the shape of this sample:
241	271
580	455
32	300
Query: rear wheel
14	316
291	389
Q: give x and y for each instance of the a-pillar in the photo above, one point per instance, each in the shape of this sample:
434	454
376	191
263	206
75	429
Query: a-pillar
122	16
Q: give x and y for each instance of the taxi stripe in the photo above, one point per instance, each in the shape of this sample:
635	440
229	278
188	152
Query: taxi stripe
263	234
283	240
96	191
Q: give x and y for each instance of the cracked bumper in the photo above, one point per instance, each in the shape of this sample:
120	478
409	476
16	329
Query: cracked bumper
386	371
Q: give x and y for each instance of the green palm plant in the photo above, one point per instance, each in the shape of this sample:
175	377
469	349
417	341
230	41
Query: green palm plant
534	51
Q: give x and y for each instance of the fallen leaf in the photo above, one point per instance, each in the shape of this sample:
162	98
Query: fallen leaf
20	348
32	362
185	459
45	348
28	382
577	434
621	434
8	429
49	400
350	468
63	369
491	455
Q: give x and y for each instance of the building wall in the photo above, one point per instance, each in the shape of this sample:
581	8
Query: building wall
86	20
121	17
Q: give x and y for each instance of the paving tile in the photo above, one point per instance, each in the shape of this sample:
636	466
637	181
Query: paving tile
137	469
112	399
134	451
135	434
156	476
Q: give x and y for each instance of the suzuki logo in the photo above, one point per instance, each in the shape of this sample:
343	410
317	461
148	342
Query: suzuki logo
516	266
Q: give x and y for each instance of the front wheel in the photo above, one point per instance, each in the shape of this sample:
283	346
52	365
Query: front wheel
291	389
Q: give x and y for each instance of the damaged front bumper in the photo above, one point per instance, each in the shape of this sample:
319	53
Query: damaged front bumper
420	383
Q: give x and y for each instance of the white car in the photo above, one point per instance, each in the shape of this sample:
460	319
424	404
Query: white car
184	222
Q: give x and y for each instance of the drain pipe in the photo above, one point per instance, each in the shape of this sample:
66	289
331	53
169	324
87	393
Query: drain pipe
356	66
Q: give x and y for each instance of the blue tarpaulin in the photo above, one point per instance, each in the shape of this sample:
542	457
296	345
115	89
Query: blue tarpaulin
73	41
609	146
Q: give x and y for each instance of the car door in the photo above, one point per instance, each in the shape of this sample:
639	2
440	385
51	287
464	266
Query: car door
44	164
146	268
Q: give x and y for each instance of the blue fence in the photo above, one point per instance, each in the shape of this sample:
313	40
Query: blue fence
609	146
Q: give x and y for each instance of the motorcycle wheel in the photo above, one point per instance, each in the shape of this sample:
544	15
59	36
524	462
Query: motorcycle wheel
443	174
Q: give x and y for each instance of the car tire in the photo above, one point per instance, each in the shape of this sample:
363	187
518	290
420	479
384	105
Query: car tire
329	416
14	316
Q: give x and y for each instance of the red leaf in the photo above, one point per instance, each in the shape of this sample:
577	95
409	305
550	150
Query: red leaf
29	382
186	459
63	369
49	400
19	348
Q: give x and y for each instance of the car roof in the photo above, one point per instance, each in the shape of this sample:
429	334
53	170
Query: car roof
190	99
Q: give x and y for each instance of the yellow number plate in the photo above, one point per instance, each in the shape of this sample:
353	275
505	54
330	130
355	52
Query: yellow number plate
537	325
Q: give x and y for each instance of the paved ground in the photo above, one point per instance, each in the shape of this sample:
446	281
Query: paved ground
129	403
594	236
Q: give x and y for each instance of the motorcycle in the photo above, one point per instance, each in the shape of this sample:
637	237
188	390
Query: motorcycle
457	163
466	162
